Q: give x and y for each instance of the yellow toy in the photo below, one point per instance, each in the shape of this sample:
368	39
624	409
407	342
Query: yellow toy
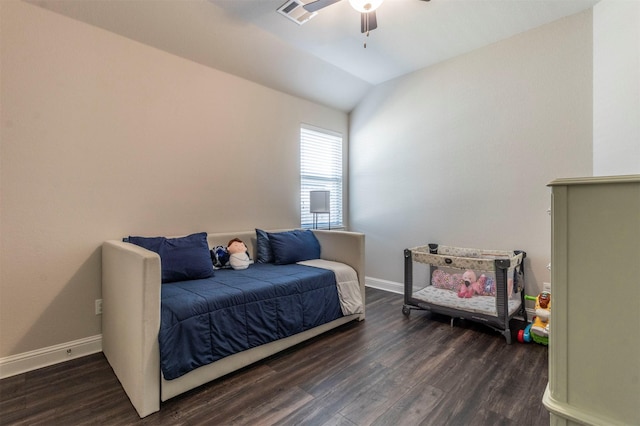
540	325
538	331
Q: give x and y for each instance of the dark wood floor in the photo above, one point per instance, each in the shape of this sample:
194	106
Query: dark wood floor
387	370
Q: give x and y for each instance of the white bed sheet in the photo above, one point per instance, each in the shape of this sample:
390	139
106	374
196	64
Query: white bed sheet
347	283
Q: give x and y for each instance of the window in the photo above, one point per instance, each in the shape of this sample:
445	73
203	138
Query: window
320	169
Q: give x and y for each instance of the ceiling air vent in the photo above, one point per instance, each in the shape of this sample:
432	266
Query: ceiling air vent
294	11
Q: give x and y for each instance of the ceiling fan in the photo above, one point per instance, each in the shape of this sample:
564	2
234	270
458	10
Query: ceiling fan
367	9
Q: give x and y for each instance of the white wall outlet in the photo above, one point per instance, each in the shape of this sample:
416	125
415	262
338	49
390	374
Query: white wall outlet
98	306
546	287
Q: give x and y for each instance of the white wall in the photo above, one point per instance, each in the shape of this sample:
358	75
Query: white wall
103	137
460	153
616	87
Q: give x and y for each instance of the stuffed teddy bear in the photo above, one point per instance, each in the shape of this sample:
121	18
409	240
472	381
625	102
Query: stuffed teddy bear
471	285
481	287
220	257
238	255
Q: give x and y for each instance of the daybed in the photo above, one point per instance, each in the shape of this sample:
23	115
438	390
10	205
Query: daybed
485	286
131	320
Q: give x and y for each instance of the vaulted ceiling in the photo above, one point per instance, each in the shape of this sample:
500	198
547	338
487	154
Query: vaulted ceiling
325	59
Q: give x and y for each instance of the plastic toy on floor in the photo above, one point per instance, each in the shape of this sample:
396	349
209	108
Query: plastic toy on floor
538	330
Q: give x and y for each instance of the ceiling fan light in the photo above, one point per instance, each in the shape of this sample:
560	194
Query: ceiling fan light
365	6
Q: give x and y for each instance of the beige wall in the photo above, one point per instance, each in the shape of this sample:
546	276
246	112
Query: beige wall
475	140
104	137
616	87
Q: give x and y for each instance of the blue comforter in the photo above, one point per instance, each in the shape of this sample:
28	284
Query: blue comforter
206	320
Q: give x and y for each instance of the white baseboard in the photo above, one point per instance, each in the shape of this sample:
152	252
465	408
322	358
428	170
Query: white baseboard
28	361
385	285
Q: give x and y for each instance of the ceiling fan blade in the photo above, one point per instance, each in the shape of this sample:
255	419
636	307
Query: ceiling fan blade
373	21
368	22
318	4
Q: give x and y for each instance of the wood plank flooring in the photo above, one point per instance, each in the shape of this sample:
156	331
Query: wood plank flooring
387	370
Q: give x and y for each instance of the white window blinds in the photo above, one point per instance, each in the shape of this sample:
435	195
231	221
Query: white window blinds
320	170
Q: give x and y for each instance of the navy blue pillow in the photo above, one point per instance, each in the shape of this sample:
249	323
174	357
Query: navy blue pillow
182	259
294	246
150	243
264	254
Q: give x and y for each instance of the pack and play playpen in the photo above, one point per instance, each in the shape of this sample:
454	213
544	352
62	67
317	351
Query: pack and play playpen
486	286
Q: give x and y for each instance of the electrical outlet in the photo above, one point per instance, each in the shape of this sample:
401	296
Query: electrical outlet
546	287
98	306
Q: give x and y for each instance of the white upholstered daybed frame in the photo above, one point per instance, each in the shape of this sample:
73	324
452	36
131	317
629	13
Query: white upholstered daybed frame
131	283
